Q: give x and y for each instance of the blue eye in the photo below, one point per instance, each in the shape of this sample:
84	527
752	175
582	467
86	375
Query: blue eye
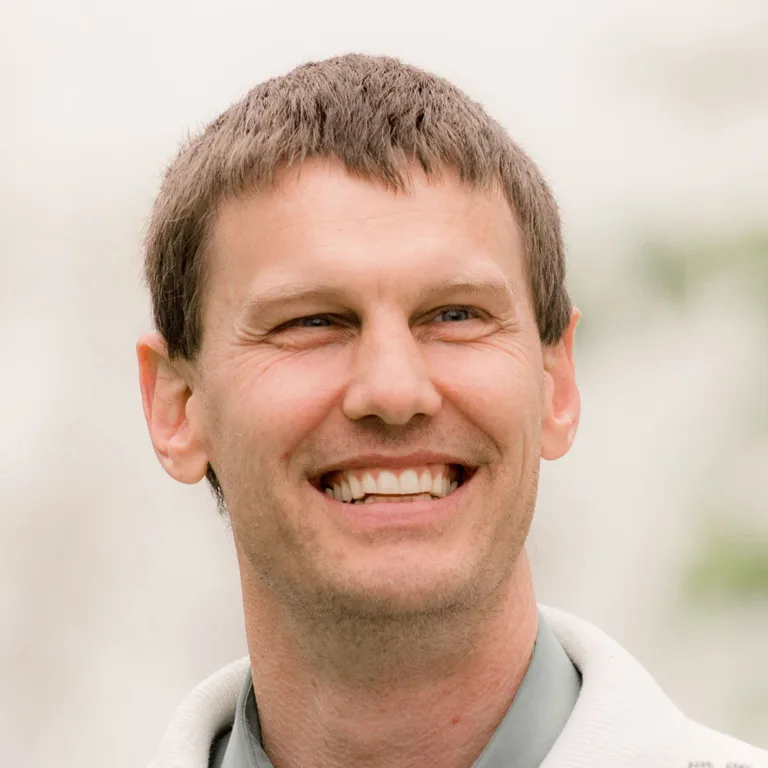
310	321
313	321
455	314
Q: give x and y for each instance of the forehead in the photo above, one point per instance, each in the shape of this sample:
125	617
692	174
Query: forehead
320	222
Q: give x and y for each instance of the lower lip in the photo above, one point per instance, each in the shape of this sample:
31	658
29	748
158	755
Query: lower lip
382	515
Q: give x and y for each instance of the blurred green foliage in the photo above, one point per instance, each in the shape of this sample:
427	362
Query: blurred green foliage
732	565
679	270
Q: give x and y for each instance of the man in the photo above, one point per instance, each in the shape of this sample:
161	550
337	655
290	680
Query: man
358	286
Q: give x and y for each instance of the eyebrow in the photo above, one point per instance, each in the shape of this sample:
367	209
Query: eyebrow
469	283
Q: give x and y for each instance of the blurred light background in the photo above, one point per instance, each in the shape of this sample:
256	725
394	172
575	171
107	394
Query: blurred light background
118	587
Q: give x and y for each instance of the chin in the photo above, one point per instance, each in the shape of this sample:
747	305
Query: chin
404	592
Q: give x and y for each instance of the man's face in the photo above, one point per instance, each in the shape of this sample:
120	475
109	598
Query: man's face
372	341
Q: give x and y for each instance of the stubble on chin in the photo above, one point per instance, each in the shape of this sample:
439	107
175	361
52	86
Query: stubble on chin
378	638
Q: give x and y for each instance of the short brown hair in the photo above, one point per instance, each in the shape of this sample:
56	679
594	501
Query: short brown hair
378	117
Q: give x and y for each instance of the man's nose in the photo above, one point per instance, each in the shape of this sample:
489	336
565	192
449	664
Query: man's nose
390	377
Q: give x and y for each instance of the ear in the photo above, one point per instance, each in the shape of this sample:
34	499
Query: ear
171	411
562	405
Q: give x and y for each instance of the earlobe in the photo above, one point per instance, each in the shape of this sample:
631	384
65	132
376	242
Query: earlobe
169	409
562	405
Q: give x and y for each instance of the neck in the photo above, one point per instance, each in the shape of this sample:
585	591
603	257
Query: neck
429	696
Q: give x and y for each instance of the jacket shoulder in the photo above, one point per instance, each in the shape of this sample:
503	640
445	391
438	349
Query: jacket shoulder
712	749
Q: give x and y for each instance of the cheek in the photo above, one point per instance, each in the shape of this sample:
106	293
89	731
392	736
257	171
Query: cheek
499	390
272	404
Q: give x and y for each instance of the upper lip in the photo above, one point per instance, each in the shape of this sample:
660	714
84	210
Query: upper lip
419	458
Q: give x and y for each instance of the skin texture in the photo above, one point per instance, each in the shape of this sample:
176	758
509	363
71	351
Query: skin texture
401	646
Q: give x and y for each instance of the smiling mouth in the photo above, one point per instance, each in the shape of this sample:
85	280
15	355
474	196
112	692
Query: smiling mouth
371	485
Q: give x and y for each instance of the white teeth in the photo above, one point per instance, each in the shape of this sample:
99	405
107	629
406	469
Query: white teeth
369	484
355	488
409	482
387	483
